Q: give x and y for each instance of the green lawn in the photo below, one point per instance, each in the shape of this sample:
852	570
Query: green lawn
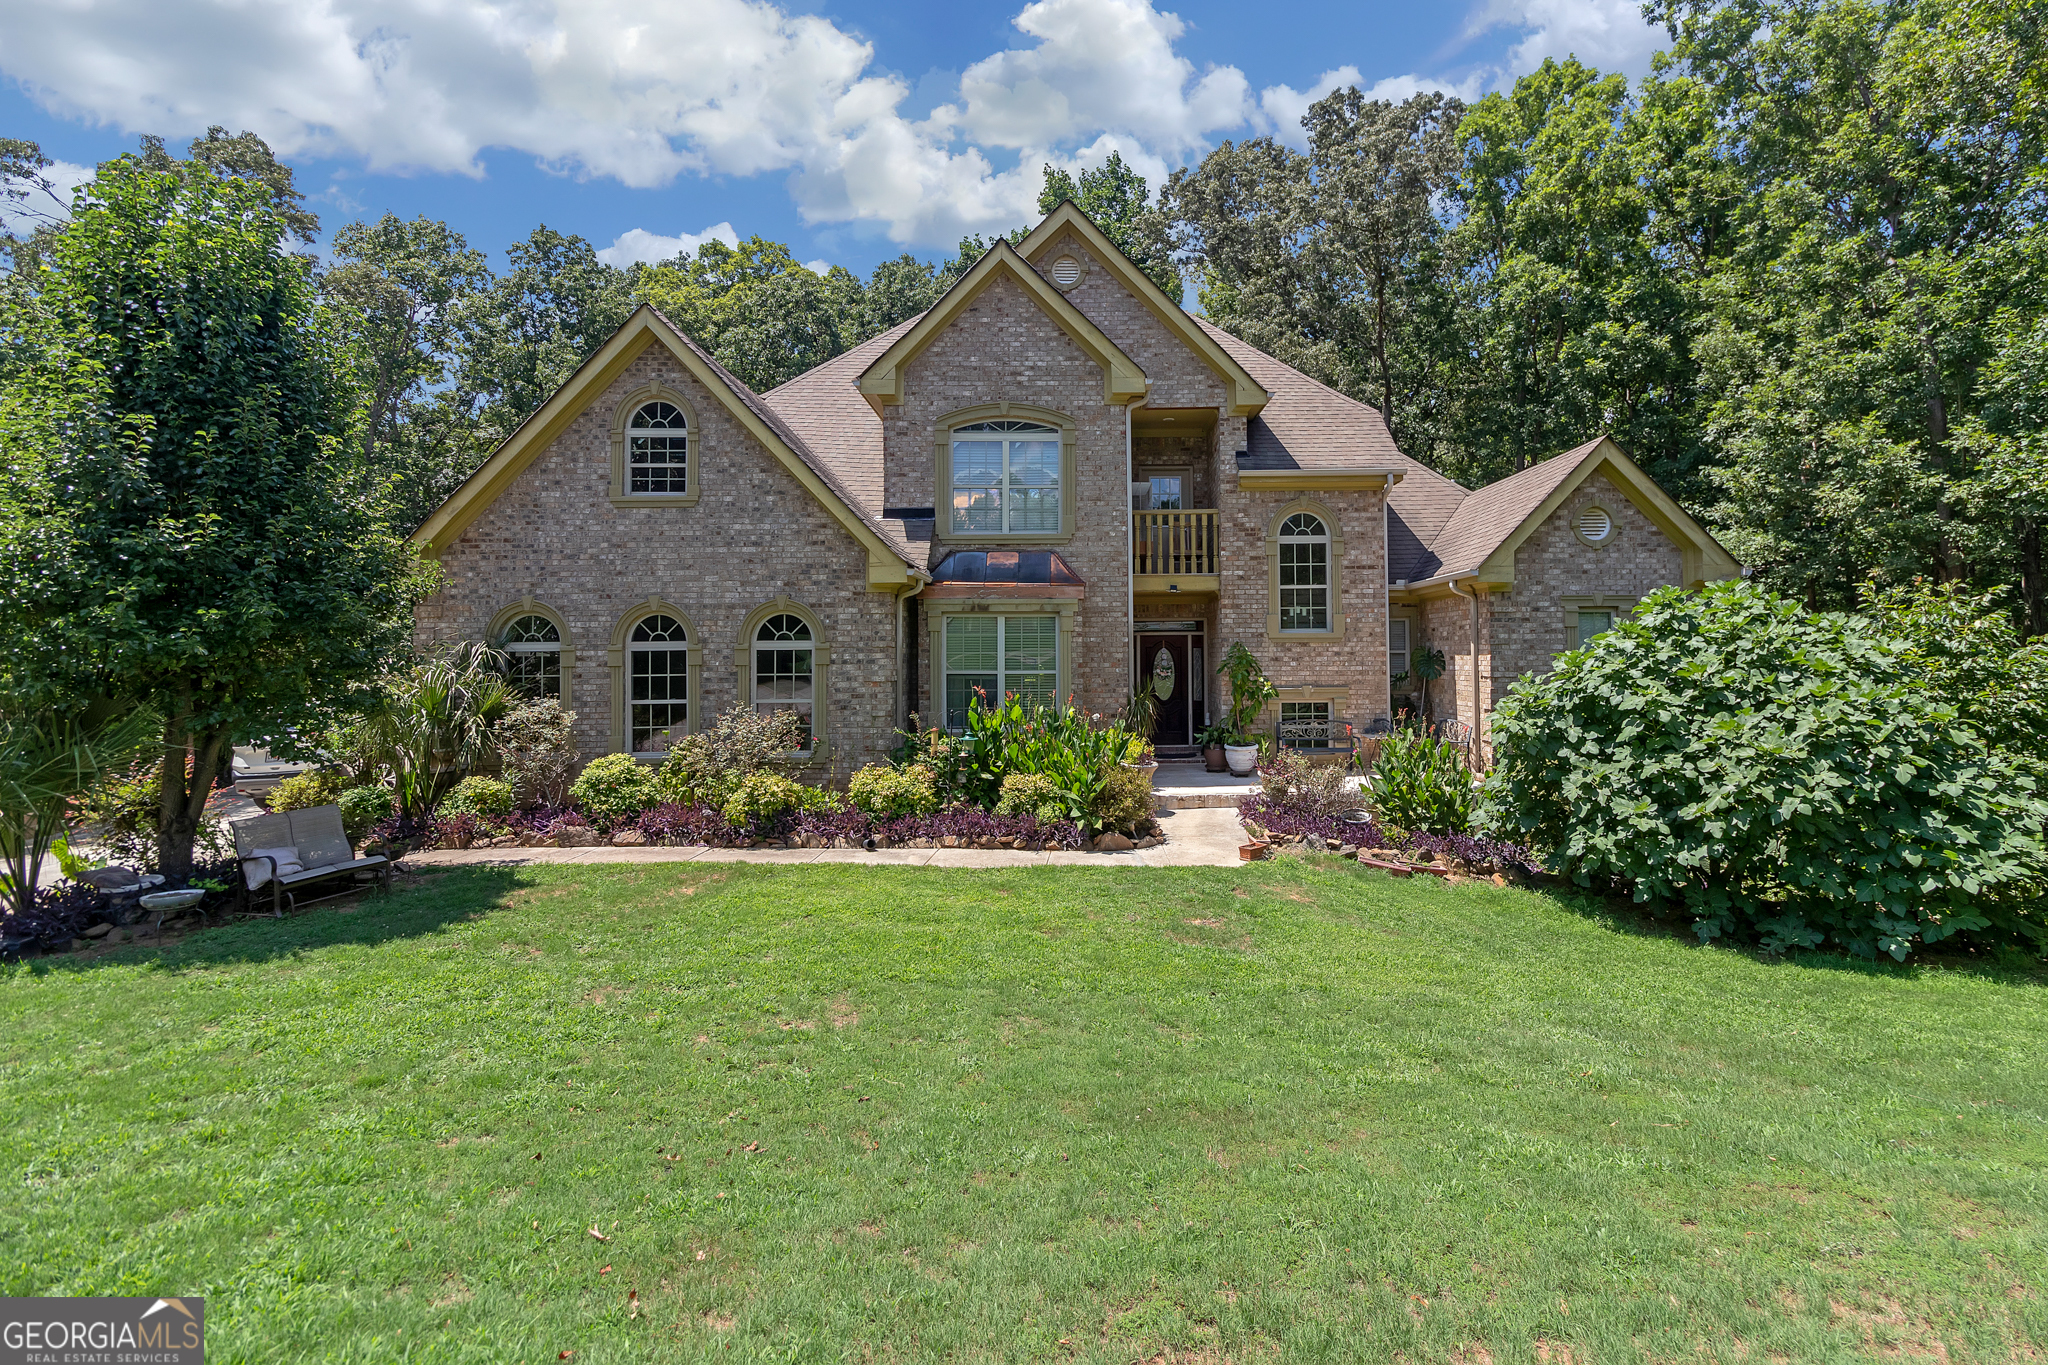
1285	1113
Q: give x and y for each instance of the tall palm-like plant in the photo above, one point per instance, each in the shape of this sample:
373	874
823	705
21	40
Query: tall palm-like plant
435	723
47	760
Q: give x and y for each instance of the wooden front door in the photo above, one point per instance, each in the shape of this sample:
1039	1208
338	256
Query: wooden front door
1163	663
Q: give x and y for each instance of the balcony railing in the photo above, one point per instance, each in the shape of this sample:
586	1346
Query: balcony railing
1173	544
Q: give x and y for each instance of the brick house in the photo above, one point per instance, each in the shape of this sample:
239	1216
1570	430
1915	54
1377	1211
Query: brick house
1054	482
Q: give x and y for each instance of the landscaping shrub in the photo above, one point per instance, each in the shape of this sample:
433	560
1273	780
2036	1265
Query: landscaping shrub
537	745
1785	775
363	809
314	787
674	823
1292	782
487	798
123	813
886	792
1056	742
612	789
1125	801
1965	650
705	769
1478	850
1032	794
760	798
1420	783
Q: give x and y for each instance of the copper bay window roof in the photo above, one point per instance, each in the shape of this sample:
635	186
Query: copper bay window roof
1004	573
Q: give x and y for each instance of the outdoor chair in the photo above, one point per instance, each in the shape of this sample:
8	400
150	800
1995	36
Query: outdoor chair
296	848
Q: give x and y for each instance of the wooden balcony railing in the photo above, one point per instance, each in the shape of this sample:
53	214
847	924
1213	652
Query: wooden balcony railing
1175	544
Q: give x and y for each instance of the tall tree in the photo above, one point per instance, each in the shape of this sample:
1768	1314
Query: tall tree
396	289
1119	201
1883	251
240	156
763	314
180	523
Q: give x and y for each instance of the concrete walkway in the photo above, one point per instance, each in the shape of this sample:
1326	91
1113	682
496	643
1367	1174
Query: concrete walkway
1194	838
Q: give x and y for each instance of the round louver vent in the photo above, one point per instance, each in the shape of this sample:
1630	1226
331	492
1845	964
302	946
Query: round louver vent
1595	525
1066	272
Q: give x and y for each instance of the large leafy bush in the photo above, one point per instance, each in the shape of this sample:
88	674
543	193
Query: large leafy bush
1060	743
363	809
1292	782
887	792
705	769
487	798
537	745
1784	775
314	787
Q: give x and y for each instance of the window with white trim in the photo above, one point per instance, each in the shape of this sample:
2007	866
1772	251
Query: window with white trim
657	685
1304	573
1006	479
1397	646
658	450
997	657
784	679
533	656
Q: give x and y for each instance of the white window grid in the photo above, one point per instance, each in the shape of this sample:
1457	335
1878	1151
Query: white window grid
1304	574
657	685
997	656
784	671
1006	479
658	450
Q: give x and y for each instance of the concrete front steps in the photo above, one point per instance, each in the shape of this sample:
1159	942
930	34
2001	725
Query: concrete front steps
1181	785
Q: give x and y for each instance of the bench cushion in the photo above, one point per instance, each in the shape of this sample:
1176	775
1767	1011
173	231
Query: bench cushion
352	865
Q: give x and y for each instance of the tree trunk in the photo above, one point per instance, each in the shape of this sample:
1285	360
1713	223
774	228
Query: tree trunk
191	761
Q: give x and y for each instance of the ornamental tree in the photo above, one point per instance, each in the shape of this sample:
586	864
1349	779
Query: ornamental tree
1788	777
180	523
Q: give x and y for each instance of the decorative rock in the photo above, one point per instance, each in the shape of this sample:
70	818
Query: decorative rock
1316	843
505	841
629	838
1347	851
1112	842
110	877
99	931
949	841
578	836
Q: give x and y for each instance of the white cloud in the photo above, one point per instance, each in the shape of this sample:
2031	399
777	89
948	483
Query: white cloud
1611	35
642	245
21	216
818	267
644	93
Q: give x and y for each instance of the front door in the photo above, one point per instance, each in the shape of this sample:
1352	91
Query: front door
1163	664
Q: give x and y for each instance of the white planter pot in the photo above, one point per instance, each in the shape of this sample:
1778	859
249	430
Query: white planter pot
1242	758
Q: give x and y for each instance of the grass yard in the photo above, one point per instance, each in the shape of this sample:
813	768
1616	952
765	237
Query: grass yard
1285	1113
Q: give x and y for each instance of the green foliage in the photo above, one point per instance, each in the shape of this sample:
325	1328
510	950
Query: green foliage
1060	743
536	742
363	809
1115	197
1968	653
762	796
705	769
183	524
1421	784
1250	690
1125	801
1294	784
1032	794
314	787
436	722
887	792
487	798
614	788
47	761
121	815
1785	775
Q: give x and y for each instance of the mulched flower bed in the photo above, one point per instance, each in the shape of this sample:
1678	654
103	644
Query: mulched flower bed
1458	852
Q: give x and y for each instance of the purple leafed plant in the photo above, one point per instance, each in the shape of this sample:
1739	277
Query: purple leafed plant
1470	848
677	824
62	912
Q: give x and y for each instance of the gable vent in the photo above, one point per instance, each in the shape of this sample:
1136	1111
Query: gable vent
1595	525
1066	272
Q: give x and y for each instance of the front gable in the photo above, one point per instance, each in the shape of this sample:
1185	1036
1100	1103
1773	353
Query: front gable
887	568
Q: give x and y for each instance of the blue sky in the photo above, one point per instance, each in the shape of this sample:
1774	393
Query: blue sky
852	131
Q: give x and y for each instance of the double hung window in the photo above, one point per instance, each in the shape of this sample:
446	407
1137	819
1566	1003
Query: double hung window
533	657
997	657
657	684
1006	479
1397	646
1592	623
658	450
1304	573
784	679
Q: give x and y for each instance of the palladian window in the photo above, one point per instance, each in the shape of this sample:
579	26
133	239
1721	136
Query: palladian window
1304	573
1000	656
783	672
533	656
1006	479
658	450
657	685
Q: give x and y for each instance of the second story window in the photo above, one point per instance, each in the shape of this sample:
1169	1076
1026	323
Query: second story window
1304	573
658	450
1006	479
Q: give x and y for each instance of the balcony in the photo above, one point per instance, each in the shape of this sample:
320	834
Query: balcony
1174	552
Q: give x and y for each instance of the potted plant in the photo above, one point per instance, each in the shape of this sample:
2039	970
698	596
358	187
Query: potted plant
1429	666
1250	690
1211	741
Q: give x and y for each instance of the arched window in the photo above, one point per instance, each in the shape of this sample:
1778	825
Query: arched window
784	675
657	684
1304	584
1006	478
533	654
658	450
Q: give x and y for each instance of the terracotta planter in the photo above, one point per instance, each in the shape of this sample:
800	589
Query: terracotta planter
1242	758
1213	760
1253	852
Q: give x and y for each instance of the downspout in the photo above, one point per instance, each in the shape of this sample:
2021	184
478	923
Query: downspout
1130	682
1478	718
1387	600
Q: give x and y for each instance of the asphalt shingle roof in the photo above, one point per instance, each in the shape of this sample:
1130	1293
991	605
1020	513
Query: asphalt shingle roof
1489	515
